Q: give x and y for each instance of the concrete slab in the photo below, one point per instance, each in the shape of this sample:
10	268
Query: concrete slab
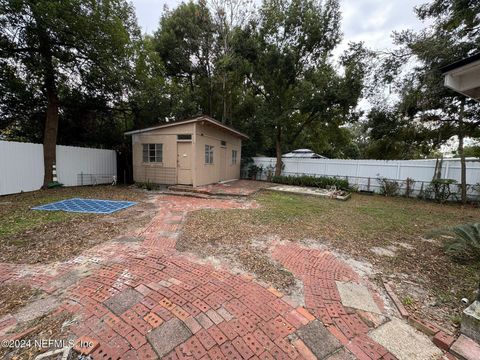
357	296
342	354
123	301
36	308
471	321
319	340
168	336
405	342
465	348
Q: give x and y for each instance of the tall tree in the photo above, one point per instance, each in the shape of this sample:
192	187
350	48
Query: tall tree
184	42
454	34
391	136
228	15
287	63
73	44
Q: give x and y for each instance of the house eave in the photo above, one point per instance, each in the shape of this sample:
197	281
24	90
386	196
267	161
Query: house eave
200	119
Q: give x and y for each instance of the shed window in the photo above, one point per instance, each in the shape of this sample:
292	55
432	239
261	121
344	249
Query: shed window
208	154
184	137
223	143
234	157
152	153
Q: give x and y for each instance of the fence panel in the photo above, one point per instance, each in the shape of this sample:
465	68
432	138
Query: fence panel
21	166
97	166
364	173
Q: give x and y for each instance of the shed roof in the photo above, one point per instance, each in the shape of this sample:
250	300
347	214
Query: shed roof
203	118
303	153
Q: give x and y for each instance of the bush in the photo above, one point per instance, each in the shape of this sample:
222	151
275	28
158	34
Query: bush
440	189
254	170
323	182
464	242
388	187
409	187
147	186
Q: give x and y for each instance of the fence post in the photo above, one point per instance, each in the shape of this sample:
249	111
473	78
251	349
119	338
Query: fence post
368	185
81	178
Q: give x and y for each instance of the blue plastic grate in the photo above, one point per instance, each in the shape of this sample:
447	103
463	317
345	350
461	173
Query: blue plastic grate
92	206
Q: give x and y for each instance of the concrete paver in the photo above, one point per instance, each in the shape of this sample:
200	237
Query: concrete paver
405	342
142	299
465	348
320	341
357	296
168	336
124	300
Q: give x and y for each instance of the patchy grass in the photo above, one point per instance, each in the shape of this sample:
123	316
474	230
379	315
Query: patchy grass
13	297
30	236
353	227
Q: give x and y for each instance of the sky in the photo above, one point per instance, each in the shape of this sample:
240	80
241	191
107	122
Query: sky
371	21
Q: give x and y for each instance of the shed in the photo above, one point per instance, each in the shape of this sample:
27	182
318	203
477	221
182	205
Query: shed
195	152
303	154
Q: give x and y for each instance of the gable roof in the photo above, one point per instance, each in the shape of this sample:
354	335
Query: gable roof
202	118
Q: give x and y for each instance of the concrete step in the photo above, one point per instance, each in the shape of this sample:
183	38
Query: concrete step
465	348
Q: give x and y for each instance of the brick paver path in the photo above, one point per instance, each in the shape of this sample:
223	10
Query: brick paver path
144	300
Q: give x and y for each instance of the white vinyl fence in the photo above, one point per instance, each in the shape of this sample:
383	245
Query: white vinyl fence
364	173
21	166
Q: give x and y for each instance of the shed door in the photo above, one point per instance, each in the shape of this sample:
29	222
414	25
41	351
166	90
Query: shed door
223	163
184	163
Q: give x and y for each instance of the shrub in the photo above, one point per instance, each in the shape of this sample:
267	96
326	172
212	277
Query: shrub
440	189
254	170
464	242
323	182
388	187
409	187
147	186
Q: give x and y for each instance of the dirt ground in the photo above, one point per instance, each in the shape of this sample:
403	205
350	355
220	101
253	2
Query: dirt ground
388	233
31	236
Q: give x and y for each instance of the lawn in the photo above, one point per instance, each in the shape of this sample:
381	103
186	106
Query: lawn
389	233
31	236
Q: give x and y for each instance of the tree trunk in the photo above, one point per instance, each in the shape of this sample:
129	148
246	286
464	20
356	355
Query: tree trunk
461	153
50	136
224	97
51	122
278	148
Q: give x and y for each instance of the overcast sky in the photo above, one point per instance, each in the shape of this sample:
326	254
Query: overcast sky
371	21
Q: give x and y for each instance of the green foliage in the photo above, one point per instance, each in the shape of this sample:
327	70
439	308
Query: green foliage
415	71
392	136
388	187
409	187
471	151
440	189
254	170
323	182
464	242
149	186
80	53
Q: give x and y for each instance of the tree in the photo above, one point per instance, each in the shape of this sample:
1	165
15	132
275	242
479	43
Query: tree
228	15
286	56
184	42
392	136
453	35
56	45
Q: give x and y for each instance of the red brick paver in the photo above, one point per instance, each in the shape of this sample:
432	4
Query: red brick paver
229	316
